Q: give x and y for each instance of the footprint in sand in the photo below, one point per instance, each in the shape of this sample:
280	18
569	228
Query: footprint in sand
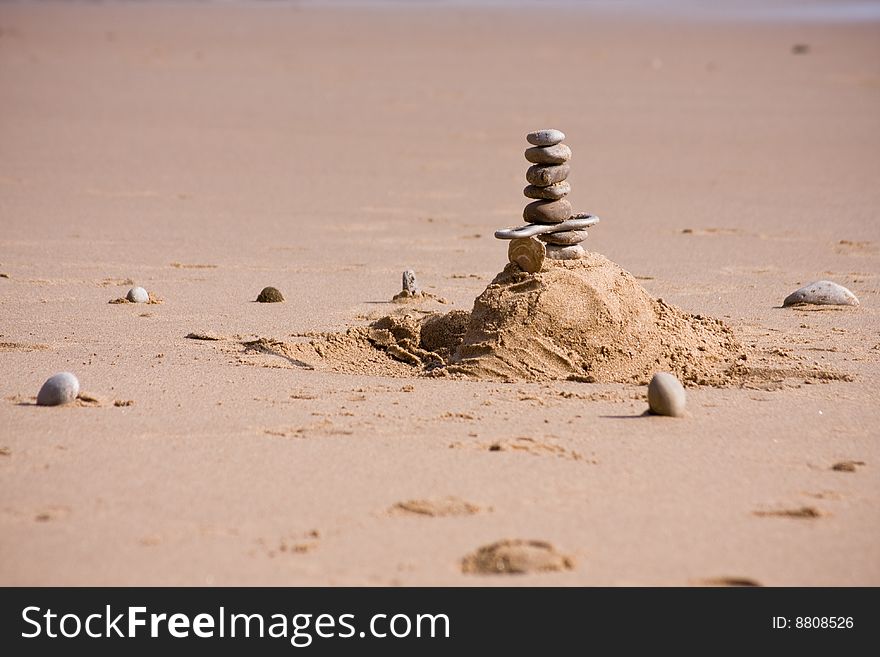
509	557
531	446
436	508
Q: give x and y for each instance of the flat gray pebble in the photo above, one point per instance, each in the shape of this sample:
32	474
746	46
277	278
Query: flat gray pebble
551	193
544	176
666	395
138	295
564	238
547	212
548	154
61	388
570	252
545	137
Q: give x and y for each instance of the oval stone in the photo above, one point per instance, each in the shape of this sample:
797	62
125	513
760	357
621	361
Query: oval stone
548	154
666	395
822	293
61	388
544	176
551	193
270	295
137	295
546	137
565	238
547	212
559	252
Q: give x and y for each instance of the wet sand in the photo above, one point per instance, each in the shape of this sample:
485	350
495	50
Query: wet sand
207	152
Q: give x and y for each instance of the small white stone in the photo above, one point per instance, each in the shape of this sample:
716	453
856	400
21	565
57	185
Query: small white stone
61	388
822	293
563	252
546	137
666	395
137	295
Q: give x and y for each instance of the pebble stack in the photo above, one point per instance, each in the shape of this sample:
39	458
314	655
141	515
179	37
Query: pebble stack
549	215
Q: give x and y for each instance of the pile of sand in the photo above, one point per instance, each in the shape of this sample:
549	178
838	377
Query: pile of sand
584	319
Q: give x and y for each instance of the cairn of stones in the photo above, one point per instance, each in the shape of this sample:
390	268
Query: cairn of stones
549	216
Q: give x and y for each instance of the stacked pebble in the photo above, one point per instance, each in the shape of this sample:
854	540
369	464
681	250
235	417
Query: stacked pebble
548	185
550	214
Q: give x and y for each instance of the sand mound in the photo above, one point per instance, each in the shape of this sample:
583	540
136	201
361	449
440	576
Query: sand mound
588	319
585	320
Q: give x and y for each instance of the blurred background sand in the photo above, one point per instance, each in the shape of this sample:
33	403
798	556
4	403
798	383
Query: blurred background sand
205	151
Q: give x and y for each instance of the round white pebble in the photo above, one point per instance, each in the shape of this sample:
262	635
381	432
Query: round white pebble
137	295
61	388
666	395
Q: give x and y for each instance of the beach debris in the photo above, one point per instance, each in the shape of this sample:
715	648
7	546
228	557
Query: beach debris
528	253
270	295
436	508
549	216
800	49
514	557
138	295
666	395
204	335
412	292
801	512
61	388
410	288
847	466
822	293
410	284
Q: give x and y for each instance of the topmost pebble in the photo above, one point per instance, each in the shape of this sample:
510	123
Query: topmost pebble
548	137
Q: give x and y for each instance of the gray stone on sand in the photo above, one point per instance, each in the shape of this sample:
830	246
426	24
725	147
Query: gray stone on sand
577	222
410	284
544	176
564	238
559	252
270	295
61	388
551	193
546	137
548	154
138	295
666	395
822	293
547	212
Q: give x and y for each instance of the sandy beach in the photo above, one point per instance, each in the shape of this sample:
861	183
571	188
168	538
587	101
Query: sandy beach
207	151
